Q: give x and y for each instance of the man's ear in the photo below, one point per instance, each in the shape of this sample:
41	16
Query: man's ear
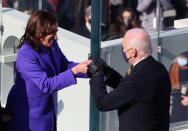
134	52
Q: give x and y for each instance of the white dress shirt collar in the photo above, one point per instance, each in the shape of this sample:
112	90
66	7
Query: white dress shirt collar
139	61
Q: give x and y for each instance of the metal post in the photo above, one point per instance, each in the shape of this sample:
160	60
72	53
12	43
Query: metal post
158	16
39	4
158	13
95	51
1	49
95	27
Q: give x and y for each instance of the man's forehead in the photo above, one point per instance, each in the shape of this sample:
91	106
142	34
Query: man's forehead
126	37
125	41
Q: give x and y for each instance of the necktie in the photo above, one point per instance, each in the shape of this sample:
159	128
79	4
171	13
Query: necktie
129	71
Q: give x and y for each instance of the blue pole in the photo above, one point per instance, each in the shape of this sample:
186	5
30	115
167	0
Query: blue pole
95	27
95	51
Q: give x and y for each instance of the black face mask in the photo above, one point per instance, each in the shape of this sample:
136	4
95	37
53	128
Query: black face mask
124	56
51	40
127	21
89	21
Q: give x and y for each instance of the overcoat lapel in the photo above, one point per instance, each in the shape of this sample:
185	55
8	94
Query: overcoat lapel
44	55
57	62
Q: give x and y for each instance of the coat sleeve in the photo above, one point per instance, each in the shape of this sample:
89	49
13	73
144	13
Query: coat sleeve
113	79
70	65
30	69
123	95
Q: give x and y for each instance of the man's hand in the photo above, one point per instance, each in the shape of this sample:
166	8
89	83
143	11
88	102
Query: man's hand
184	100
96	66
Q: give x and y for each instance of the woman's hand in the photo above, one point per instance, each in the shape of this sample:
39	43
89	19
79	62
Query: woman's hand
81	68
184	100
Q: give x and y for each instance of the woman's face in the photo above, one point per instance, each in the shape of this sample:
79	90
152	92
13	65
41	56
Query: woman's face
48	40
127	15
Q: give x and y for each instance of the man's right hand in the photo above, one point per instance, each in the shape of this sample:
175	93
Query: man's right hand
184	100
96	66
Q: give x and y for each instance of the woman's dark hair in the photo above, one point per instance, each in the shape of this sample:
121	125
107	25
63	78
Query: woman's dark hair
134	21
39	25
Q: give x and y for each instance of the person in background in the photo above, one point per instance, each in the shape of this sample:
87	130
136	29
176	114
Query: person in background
179	80
131	4
41	70
64	11
115	6
79	9
179	71
85	30
126	20
147	8
143	96
179	76
25	6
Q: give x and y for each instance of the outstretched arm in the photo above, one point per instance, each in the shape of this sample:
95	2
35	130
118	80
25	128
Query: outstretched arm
123	95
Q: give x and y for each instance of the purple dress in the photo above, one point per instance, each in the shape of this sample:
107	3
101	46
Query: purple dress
32	99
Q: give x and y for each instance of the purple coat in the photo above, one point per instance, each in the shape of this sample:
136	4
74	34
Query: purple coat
32	99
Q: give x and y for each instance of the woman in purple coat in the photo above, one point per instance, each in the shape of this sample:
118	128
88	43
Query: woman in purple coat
41	70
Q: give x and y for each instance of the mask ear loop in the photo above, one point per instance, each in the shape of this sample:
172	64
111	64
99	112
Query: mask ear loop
124	55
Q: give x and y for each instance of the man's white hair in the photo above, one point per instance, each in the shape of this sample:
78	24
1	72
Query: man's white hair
140	40
87	11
